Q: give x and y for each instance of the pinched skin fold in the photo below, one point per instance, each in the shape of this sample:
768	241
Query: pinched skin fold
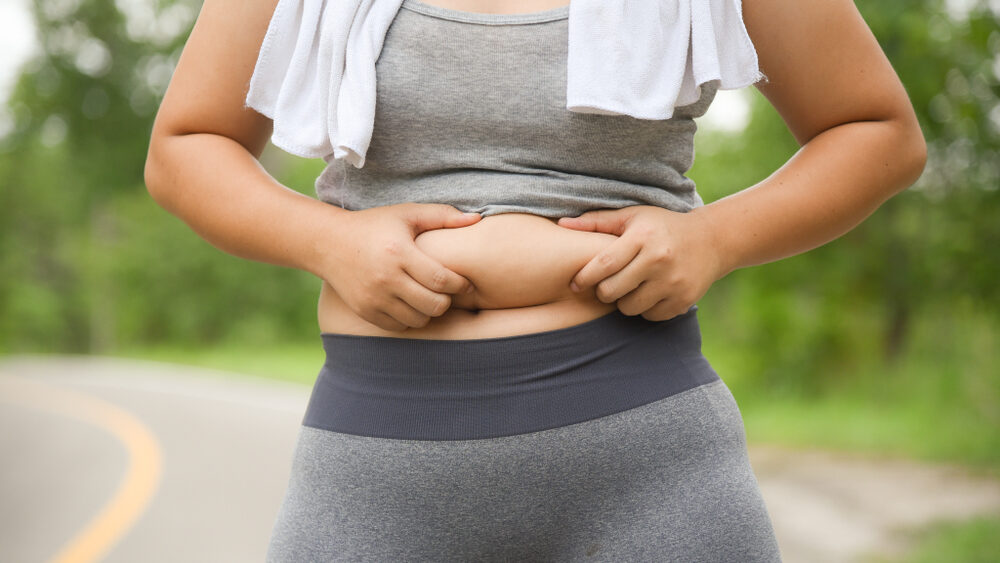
514	260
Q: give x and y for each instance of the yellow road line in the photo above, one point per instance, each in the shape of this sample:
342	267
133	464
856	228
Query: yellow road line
142	477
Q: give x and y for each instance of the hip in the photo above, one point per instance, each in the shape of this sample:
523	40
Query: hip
458	389
666	481
610	440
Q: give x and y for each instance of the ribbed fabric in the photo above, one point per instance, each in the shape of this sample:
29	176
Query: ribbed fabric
417	389
667	482
470	113
612	440
315	75
559	13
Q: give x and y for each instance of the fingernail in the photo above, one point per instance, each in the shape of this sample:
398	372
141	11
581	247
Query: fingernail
470	289
573	286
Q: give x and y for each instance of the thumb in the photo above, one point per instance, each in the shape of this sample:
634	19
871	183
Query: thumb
430	216
611	221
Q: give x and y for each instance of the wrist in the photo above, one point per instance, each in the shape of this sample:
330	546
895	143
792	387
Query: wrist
323	254
716	234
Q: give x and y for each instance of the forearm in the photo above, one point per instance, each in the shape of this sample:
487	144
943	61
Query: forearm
833	183
222	192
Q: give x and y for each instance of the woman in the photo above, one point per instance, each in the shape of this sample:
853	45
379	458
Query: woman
526	382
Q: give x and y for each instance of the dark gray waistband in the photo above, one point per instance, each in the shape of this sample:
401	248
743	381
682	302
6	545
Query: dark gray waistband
408	388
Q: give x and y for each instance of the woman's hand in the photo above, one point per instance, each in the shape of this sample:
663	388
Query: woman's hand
661	264
514	260
379	272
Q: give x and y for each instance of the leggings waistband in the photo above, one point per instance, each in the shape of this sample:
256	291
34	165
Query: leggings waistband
408	388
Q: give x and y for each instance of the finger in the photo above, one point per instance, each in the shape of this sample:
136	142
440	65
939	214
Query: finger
608	261
433	275
386	322
620	285
424	300
405	314
664	310
429	216
611	221
640	300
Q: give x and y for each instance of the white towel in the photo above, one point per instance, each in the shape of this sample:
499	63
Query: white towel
315	74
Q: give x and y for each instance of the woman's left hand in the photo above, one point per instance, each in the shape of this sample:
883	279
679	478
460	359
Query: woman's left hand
662	262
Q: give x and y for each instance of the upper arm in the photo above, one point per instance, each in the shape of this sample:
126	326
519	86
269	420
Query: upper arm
209	85
824	66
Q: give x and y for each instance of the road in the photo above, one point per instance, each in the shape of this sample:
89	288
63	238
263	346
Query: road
107	459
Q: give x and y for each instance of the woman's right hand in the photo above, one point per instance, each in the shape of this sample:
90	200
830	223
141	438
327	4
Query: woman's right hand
379	272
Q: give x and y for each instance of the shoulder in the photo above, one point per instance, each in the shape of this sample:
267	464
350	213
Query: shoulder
824	66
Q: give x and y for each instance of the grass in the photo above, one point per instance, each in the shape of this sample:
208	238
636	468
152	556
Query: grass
940	401
972	541
912	421
295	362
916	409
919	431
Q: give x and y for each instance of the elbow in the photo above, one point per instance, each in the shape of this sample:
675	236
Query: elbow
919	155
149	174
916	157
910	154
153	175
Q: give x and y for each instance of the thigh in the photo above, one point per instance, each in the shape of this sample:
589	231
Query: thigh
681	488
357	498
666	481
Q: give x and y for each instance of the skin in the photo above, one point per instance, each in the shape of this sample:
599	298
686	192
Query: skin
427	271
861	144
520	266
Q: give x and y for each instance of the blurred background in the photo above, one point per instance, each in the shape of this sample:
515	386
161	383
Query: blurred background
881	343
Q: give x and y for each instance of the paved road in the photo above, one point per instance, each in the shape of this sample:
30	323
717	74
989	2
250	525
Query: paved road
107	459
208	455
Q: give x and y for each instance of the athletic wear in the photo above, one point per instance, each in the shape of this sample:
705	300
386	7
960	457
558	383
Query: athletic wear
315	75
420	389
387	466
470	113
612	440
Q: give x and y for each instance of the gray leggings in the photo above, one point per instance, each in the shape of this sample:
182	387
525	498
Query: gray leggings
665	477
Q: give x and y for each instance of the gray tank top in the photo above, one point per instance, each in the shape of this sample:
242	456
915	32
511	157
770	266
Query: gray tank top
471	111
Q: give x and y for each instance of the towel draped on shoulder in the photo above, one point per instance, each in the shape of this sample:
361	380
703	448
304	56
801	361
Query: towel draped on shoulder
315	73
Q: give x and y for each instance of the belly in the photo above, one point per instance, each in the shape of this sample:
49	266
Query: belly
521	266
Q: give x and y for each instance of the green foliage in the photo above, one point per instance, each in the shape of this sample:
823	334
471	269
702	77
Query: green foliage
926	249
175	287
88	263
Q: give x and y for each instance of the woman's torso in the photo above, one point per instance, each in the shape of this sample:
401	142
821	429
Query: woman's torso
471	112
521	266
